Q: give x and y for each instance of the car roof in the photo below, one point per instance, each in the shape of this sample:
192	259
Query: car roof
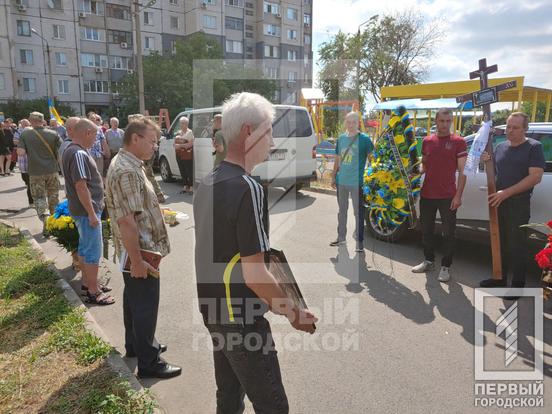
219	109
533	127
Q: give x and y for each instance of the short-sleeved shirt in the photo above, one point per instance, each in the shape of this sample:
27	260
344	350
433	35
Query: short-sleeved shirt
96	150
513	163
219	140
114	139
440	158
182	139
128	191
231	222
77	165
353	160
41	161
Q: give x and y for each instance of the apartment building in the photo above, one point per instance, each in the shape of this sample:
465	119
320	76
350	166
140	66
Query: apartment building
79	49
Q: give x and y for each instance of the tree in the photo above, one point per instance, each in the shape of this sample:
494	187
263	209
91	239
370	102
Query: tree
392	50
21	108
168	80
527	107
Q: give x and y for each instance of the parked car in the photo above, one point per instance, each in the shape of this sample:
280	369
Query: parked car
474	213
291	162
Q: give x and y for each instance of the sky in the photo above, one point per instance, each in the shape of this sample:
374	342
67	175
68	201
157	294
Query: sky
514	34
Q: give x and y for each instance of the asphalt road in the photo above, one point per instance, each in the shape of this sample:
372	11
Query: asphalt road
389	341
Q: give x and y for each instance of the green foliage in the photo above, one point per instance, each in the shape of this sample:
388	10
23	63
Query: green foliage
527	107
127	401
391	50
169	82
500	116
21	108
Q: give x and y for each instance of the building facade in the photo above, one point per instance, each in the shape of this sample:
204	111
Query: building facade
77	50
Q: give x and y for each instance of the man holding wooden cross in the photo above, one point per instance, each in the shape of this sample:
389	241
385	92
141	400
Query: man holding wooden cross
519	168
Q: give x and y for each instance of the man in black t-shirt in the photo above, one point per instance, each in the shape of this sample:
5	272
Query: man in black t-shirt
519	168
235	288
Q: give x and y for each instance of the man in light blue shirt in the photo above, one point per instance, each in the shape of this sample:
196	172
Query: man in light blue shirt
351	153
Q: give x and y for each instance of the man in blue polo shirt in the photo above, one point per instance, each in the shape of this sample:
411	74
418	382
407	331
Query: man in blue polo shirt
351	151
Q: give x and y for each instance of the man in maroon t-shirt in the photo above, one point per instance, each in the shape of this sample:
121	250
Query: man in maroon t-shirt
442	155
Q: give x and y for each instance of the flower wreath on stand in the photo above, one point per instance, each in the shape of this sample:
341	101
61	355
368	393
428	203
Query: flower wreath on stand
63	229
385	189
544	260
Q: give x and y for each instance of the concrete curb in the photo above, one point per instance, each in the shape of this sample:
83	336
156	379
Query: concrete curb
320	190
114	360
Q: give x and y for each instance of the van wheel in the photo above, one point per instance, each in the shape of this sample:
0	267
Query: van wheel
388	234
165	171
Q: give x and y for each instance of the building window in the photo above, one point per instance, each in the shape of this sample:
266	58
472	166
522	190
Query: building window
292	55
91	33
292	77
292	14
59	32
292	34
173	47
233	23
92	60
209	22
148	18
307	39
23	28
173	2
2	82
249	35
249	5
119	62
63	87
118	12
272	73
234	46
149	43
272	30
307	18
174	22
210	2
276	96
29	84
118	36
26	56
292	98
57	4
249	12
235	3
271	8
272	51
94	86
61	59
92	7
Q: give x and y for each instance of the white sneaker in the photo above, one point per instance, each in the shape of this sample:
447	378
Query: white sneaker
444	274
423	267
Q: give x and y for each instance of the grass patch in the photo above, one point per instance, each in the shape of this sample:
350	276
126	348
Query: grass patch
49	362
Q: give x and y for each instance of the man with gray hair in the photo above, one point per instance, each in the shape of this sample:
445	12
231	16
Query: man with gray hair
41	146
235	288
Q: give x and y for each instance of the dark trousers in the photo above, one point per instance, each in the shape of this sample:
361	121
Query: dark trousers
140	306
428	213
186	168
343	192
25	177
246	362
513	213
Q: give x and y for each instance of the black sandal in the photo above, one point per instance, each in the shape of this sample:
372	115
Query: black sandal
103	288
100	298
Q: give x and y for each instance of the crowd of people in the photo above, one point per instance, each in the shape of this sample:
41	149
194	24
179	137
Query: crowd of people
106	168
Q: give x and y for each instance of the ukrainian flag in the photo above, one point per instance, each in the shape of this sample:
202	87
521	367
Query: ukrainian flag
53	112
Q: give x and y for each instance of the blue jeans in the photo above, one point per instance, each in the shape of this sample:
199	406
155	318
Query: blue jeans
246	362
90	239
343	192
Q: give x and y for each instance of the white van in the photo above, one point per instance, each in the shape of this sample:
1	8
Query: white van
291	161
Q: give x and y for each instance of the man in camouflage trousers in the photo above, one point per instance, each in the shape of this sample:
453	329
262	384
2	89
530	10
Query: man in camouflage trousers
41	146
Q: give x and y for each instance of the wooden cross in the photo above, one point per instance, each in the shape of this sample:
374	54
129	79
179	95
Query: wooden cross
485	97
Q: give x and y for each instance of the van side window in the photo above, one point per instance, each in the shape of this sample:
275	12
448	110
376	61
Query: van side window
291	123
546	141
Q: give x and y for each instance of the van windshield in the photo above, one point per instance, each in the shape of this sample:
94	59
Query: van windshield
291	123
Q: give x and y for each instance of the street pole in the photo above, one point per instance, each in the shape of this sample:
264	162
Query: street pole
139	65
50	72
